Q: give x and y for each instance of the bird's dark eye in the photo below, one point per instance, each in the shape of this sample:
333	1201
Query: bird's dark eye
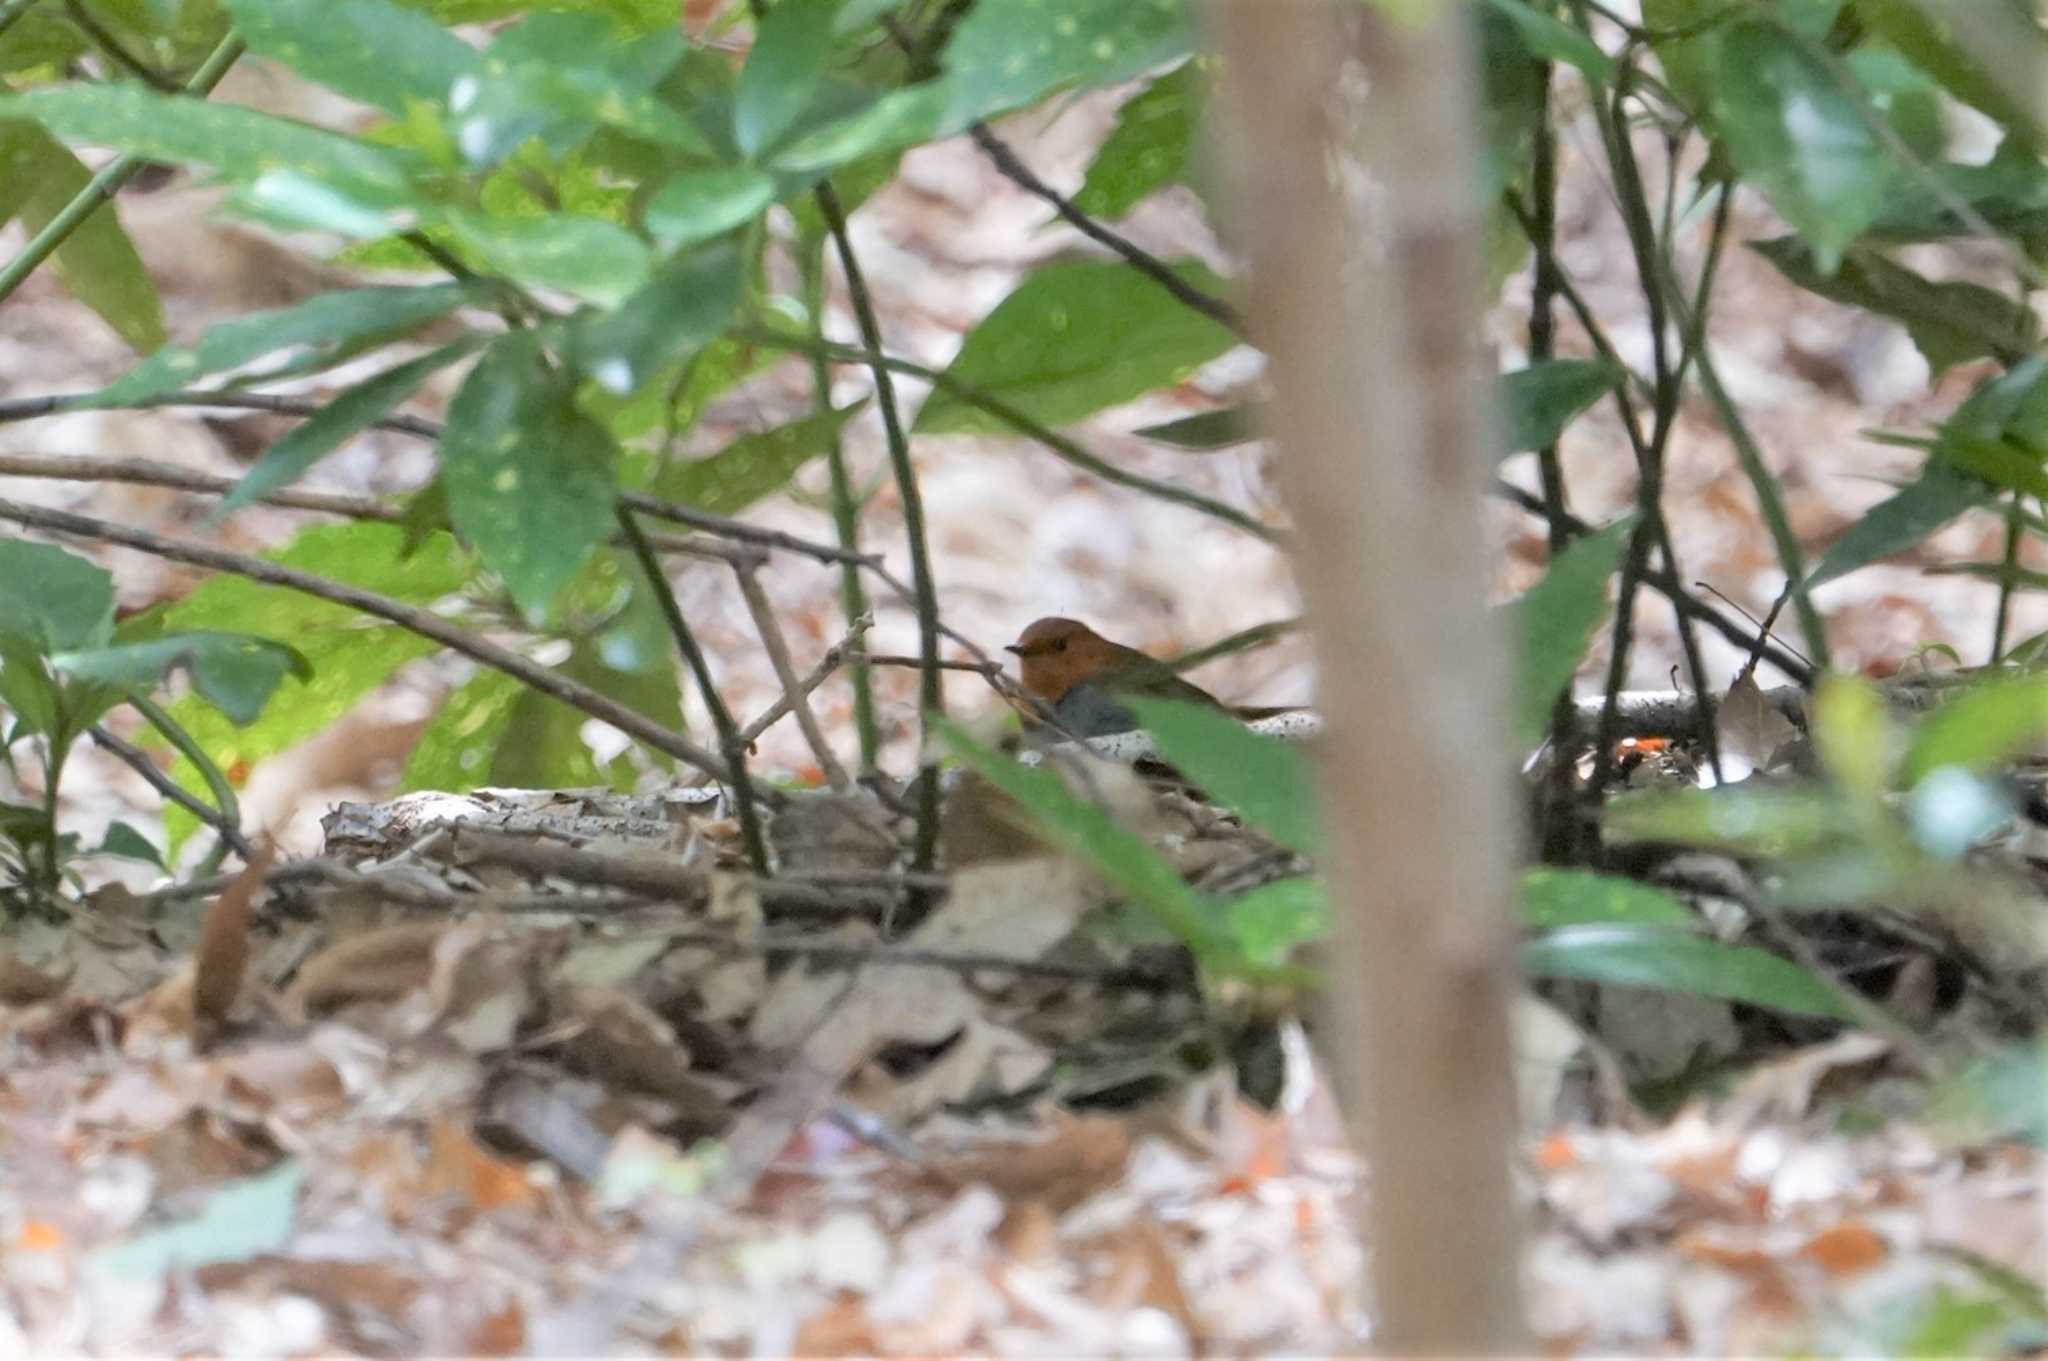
1059	645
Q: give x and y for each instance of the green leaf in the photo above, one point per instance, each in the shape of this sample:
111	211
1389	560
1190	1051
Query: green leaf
1274	920
97	262
1075	337
1678	961
1554	621
752	466
1005	56
1552	898
350	654
1792	130
28	689
373	50
235	672
56	601
585	257
1211	429
1996	461
781	75
896	120
238	1221
1925	35
1772	822
454	752
683	307
129	844
1150	147
240	144
328	327
1902	520
529	478
1264	781
530	91
1552	40
700	204
1979	727
1949	322
1542	399
341	419
1087	830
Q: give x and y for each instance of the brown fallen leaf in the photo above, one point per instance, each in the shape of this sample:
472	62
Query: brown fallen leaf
378	966
223	954
23	985
1084	1154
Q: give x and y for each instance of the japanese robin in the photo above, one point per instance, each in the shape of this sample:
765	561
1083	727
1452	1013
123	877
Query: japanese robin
1079	673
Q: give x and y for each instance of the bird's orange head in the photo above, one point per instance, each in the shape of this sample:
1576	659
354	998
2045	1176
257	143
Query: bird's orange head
1055	655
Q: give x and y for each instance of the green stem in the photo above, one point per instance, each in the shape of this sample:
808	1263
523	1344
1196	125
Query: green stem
217	783
107	182
853	595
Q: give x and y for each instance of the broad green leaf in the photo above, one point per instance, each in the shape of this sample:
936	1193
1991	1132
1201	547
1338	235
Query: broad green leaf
39	37
124	841
1149	148
752	466
1553	40
2009	192
1996	461
288	201
1553	897
781	75
528	477
1949	322
239	1220
1542	399
1554	621
1267	783
1771	822
1211	429
97	262
1076	337
373	50
54	600
529	90
1678	961
326	326
1513	91
350	654
700	204
597	261
455	750
1978	727
1908	97
896	120
240	144
27	689
1792	130
1902	520
237	673
348	415
1274	920
684	307
1086	829
1921	32
1005	56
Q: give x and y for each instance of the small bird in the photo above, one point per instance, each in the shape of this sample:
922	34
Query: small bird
1078	673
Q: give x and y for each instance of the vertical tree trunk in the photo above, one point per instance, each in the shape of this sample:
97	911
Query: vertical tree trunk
1383	416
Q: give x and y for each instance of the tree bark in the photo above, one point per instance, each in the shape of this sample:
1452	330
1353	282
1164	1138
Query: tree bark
1371	319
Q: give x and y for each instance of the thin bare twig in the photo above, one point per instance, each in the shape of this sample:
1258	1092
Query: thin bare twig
729	740
827	664
138	760
499	658
777	648
931	695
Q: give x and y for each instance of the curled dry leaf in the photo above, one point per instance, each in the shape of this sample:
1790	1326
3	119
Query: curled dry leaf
223	955
24	985
377	966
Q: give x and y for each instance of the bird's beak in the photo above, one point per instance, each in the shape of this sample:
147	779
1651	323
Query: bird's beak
1012	647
